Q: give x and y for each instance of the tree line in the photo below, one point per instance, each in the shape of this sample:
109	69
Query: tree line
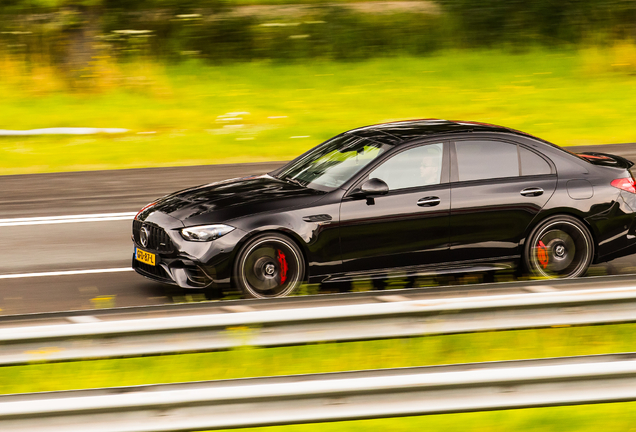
72	33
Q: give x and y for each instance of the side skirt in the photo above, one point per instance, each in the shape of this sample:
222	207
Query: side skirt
503	263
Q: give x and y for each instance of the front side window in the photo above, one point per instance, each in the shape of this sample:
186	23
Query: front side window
416	167
479	160
333	162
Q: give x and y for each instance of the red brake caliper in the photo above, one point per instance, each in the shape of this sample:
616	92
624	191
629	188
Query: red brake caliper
282	261
542	254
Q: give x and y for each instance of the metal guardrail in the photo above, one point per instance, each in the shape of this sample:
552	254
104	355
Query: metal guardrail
192	333
327	397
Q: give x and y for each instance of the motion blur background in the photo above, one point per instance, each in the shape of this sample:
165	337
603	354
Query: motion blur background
224	81
254	80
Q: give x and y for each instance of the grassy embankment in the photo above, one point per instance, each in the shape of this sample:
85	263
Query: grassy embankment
329	357
619	417
200	114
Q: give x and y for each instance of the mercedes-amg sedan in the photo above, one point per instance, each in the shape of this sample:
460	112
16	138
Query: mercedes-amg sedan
403	198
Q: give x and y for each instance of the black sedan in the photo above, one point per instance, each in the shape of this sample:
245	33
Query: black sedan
404	198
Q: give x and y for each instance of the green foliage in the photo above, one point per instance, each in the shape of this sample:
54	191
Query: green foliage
213	31
46	5
520	22
327	32
227	31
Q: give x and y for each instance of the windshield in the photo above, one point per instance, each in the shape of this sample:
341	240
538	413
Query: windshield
333	162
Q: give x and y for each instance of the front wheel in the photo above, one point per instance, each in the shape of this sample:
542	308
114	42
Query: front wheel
270	265
559	247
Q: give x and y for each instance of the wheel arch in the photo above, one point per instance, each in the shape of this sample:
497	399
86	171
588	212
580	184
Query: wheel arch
293	236
579	216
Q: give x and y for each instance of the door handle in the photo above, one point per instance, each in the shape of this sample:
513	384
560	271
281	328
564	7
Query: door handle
428	201
532	192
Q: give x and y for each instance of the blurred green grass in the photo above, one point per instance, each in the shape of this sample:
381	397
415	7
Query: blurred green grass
580	418
193	113
324	357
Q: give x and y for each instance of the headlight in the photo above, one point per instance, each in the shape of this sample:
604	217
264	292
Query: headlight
205	232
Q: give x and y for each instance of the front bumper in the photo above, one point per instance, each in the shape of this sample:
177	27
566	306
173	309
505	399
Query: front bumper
619	229
183	273
184	263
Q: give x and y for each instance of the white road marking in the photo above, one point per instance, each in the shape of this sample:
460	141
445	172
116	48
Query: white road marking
63	131
46	220
65	273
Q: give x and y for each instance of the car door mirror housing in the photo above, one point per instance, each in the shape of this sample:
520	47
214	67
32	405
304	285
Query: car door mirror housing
374	187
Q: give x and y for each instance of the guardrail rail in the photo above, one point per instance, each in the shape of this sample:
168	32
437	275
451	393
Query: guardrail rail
209	332
327	397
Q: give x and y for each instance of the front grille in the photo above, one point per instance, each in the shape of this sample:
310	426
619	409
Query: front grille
158	239
157	271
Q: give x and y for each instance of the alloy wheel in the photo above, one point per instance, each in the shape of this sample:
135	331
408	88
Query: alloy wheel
560	248
270	266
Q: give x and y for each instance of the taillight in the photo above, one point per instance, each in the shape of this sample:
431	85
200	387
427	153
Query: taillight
627	184
153	203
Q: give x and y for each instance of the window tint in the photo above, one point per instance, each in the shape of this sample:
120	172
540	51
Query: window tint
478	160
419	166
532	163
333	162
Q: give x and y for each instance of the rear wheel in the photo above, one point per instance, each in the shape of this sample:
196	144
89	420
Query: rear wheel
270	265
559	247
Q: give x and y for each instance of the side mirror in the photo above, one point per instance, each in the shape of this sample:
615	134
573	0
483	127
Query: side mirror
374	186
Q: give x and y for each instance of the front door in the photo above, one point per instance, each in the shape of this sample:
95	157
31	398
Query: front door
407	227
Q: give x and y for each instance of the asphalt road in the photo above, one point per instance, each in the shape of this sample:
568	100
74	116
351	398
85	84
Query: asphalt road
96	245
107	191
68	247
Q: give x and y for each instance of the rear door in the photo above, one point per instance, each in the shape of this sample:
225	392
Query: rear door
497	189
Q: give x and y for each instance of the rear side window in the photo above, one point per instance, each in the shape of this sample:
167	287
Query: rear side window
532	163
479	160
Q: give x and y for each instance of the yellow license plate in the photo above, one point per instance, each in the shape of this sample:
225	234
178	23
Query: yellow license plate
145	257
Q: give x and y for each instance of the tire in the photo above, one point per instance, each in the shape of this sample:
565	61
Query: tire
269	265
559	247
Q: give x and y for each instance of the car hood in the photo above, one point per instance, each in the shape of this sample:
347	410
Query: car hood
231	199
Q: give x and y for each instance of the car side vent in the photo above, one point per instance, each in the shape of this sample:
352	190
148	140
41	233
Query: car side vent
317	218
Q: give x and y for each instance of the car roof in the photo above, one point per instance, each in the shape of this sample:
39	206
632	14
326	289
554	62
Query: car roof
403	131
